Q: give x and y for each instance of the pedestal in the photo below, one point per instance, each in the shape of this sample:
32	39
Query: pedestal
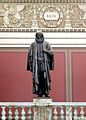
42	110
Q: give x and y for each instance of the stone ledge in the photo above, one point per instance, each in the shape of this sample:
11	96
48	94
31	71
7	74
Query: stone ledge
42	102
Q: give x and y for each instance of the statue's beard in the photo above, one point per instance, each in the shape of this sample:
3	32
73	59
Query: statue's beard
39	40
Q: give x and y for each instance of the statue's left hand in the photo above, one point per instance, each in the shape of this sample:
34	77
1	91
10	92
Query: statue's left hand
44	50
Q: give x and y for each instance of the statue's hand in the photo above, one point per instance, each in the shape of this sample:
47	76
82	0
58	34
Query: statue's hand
48	52
44	50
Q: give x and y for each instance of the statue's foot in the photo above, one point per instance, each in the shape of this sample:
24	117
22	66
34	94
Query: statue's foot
39	96
47	95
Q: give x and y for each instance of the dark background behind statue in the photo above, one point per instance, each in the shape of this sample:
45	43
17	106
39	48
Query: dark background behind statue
40	62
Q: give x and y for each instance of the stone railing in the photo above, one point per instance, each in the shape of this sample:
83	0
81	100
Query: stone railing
43	111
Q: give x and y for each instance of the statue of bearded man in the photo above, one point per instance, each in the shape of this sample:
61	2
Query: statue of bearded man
40	62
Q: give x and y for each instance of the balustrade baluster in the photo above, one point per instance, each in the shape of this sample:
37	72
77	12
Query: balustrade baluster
29	114
55	113
10	114
68	113
82	117
62	113
49	112
23	114
16	113
3	117
76	114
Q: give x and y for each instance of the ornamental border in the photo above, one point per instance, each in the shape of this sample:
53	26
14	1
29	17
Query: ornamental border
42	30
42	1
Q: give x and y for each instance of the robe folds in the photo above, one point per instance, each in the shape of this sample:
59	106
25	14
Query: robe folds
47	65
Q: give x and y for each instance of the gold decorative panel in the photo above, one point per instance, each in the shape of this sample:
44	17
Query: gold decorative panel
46	15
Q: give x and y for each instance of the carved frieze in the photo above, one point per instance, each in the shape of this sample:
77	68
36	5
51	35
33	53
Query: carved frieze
44	16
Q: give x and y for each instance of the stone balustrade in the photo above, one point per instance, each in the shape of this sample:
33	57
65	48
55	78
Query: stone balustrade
49	111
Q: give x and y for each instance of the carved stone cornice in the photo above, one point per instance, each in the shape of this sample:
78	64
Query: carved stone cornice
31	16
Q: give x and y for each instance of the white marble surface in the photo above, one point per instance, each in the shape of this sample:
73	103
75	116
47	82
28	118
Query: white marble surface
42	110
42	102
60	39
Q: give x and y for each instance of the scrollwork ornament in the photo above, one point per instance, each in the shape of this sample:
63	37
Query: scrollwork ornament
83	8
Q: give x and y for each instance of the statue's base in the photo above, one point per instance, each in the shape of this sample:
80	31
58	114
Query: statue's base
42	110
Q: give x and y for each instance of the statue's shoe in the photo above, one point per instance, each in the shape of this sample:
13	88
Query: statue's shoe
39	96
46	95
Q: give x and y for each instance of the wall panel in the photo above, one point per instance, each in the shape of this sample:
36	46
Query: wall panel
16	81
79	75
58	91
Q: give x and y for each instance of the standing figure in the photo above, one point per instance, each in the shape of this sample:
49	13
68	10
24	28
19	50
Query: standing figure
40	61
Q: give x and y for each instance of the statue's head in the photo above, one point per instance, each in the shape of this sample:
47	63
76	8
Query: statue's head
39	37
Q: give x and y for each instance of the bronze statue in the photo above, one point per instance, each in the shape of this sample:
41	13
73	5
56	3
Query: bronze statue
40	61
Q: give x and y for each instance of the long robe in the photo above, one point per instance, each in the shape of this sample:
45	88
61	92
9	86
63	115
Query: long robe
33	65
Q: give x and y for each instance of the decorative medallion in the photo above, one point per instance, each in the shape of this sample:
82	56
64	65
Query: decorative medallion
51	16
